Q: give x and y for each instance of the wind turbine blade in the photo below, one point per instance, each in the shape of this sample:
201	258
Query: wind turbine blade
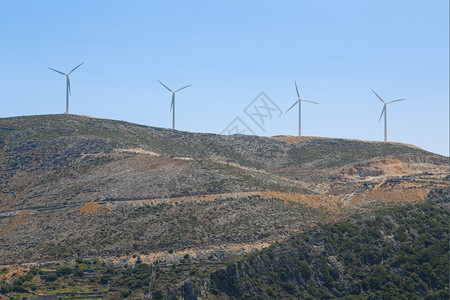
58	71
76	67
309	101
165	86
298	95
382	112
378	96
292	105
68	85
183	88
395	101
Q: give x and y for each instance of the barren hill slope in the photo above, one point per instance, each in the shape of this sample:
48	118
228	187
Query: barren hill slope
77	186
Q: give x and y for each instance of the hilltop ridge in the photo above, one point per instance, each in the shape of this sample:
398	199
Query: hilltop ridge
297	139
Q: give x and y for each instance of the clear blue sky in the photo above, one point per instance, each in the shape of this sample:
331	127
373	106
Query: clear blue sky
231	51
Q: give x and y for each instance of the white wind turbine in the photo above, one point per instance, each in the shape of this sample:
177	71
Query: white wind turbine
67	84
384	111
172	104
299	101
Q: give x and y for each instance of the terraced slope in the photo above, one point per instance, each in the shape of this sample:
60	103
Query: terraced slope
395	253
74	186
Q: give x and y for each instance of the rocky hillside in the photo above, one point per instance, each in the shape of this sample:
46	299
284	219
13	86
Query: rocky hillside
394	253
47	160
74	186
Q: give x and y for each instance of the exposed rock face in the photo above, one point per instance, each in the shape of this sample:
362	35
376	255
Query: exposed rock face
76	186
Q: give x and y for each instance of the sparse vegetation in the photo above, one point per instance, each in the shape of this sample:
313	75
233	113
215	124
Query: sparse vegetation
99	197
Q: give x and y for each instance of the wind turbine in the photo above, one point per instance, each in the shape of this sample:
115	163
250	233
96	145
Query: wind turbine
299	101
384	111
172	104
67	84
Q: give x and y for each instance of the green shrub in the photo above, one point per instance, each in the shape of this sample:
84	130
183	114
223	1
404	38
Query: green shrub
5	288
63	271
51	277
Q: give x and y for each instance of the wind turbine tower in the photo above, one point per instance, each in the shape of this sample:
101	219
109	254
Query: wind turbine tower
67	84
384	111
299	101
172	104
